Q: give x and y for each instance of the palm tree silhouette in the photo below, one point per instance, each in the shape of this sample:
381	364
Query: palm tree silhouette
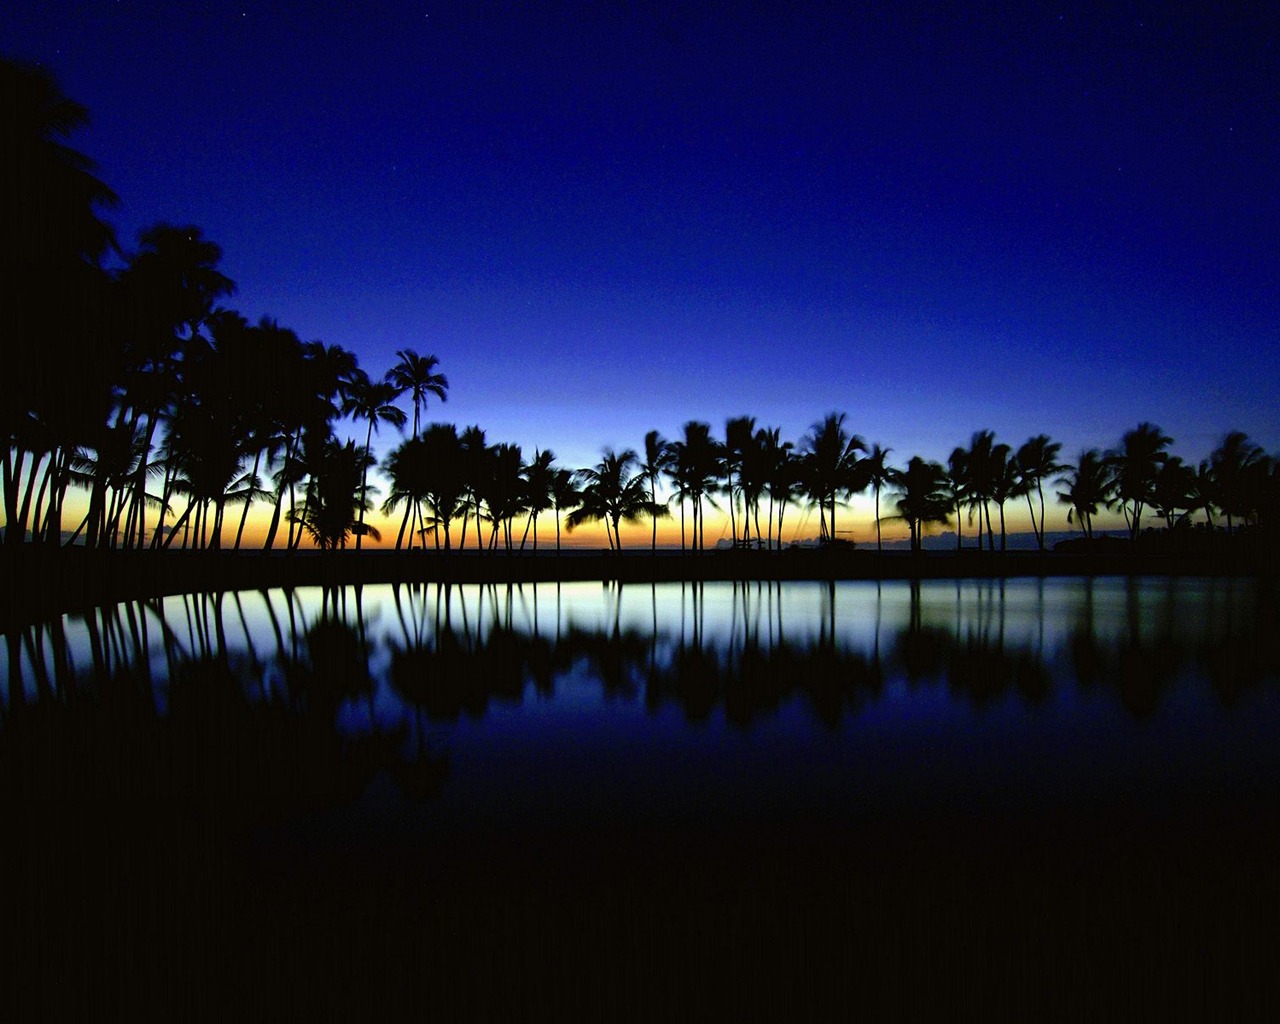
739	432
657	457
924	497
475	454
1134	466
1172	489
169	289
373	402
1004	481
334	507
1237	469
958	484
1088	487
306	399
782	478
831	455
446	493
758	458
988	474
61	360
1037	460
538	477
408	469
614	493
565	496
695	467
504	490
877	473
417	375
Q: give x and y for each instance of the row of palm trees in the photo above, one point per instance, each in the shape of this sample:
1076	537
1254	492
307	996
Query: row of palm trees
442	477
134	386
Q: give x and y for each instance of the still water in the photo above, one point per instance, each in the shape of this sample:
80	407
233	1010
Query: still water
1030	794
392	710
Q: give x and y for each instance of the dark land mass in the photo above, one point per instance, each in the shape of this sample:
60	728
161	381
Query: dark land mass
38	583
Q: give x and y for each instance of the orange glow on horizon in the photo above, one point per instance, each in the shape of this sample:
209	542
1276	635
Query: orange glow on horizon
855	522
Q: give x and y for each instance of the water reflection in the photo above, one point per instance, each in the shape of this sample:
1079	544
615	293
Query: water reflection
265	703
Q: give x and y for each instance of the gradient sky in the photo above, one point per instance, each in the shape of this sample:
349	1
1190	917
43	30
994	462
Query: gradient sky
607	218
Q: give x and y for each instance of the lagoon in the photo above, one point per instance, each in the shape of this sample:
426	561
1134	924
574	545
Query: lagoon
672	767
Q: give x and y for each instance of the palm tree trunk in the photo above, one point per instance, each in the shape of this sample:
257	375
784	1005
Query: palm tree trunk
157	537
364	479
9	475
275	514
1040	492
1034	529
879	547
35	516
25	508
653	500
404	523
140	482
253	476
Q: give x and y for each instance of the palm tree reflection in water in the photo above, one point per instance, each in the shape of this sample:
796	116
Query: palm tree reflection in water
279	688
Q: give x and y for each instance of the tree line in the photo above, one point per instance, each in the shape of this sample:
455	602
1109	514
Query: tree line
174	415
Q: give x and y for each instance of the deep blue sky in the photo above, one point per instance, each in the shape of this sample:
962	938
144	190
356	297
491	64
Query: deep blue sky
613	217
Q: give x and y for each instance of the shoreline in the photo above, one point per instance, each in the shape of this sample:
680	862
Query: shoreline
40	583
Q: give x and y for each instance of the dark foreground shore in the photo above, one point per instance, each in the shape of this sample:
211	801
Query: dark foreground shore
125	912
37	583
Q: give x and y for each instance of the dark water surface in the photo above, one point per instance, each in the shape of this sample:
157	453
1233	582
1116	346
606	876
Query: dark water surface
612	796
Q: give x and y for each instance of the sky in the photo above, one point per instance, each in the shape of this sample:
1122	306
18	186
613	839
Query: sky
614	217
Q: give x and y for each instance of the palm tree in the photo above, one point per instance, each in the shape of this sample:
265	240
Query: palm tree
334	507
475	455
1235	467
758	459
374	402
877	473
313	380
538	479
1134	466
1173	488
983	459
831	455
503	489
1037	460
924	497
613	493
1088	487
408	469
958	489
657	456
564	496
738	434
446	491
61	356
1004	481
417	375
696	465
783	480
169	291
